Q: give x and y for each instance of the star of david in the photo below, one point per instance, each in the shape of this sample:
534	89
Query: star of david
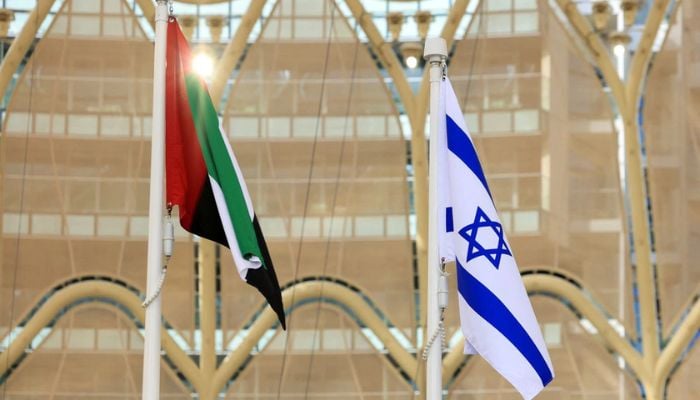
476	249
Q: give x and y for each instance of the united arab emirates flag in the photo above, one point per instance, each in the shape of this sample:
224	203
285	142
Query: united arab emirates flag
203	177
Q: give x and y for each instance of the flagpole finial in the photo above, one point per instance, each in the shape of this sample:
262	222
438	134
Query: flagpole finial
435	47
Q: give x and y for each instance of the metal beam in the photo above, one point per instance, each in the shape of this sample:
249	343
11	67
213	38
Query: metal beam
678	343
22	43
94	289
207	311
626	95
299	293
234	49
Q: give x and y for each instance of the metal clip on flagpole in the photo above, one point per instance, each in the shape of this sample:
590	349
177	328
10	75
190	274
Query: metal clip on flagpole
151	353
443	299
435	53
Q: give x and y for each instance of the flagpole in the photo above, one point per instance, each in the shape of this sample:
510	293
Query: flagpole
151	353
435	53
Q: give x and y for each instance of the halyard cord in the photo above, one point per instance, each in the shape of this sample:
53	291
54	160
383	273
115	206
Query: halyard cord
152	297
440	331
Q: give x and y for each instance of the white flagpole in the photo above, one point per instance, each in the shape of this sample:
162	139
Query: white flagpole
435	53
156	202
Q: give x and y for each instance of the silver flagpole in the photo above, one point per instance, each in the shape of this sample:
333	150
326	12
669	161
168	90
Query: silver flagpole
435	53
156	205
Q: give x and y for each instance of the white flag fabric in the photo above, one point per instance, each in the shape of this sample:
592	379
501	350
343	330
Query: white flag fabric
495	312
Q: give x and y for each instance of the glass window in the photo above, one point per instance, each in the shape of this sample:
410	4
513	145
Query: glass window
117	26
311	225
552	334
135	340
526	120
472	120
46	224
309	7
526	22
112	6
115	125
525	4
339	127
496	121
86	6
371	126
14	223
335	226
243	127
309	29
306	340
80	339
80	225
396	225
17	122
336	339
304	126
42	123
85	26
498	5
273	227
111	339
526	221
369	226
54	341
499	23
111	226
82	125
278	127
138	226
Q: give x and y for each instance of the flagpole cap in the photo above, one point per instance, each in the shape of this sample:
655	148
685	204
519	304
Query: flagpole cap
435	47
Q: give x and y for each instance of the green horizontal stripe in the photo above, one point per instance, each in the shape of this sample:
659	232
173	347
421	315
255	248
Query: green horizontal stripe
220	165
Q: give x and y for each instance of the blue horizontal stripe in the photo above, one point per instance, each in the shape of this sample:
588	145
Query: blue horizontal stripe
485	303
459	144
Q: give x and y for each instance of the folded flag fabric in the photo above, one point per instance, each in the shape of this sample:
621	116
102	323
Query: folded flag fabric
497	318
203	178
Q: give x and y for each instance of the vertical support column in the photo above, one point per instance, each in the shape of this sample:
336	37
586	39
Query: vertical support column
151	354
436	54
207	313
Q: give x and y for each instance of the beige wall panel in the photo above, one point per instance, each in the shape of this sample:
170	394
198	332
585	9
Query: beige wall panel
75	158
672	132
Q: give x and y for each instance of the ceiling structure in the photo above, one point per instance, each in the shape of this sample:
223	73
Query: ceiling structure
339	149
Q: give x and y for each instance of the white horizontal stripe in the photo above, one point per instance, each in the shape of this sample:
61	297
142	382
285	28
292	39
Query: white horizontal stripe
242	264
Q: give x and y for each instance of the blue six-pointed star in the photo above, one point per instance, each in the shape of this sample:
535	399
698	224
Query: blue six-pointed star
482	221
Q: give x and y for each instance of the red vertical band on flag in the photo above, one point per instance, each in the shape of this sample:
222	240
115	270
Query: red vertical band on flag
186	171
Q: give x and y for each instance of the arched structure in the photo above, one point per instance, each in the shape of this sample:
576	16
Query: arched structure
652	365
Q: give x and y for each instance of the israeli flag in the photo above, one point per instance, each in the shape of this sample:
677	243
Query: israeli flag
496	315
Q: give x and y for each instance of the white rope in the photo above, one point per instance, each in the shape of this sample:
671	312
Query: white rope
443	341
150	299
168	241
442	297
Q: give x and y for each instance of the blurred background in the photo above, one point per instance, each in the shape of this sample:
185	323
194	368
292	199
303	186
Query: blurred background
584	114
